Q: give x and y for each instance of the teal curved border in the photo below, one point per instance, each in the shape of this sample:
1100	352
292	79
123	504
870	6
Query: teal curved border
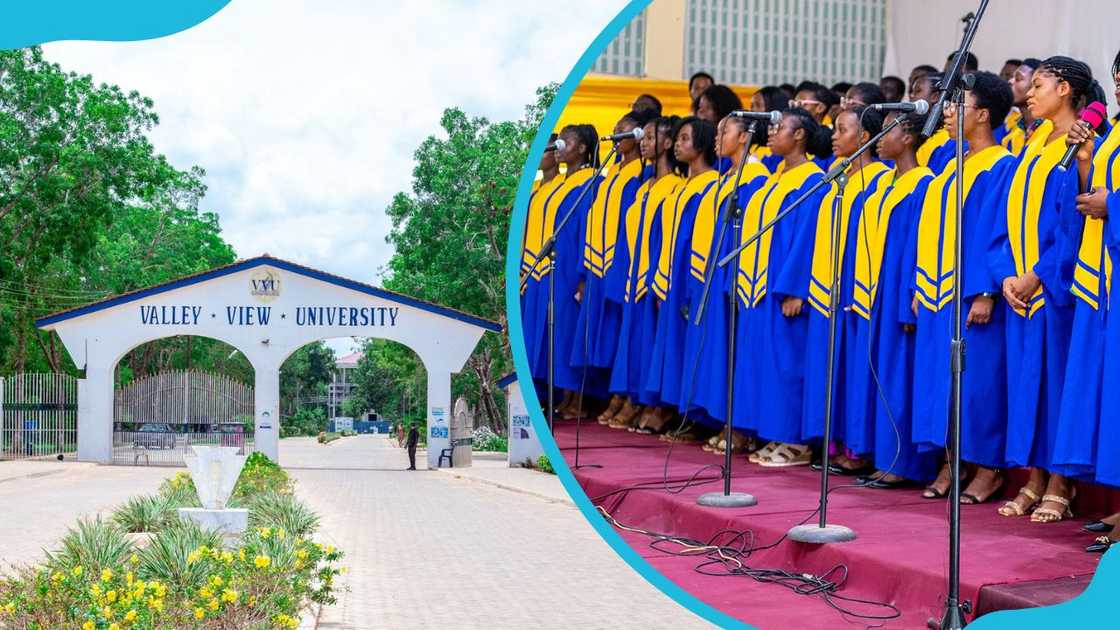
1090	607
517	339
33	22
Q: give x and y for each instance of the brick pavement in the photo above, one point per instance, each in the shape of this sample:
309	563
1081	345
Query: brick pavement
427	549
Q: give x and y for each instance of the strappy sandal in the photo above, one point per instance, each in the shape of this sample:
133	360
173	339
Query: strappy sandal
763	453
712	444
1011	508
1057	516
624	419
788	455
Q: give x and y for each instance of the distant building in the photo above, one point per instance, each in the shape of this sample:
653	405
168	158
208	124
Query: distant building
342	386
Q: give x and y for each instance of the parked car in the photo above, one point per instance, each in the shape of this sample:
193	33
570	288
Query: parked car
154	435
232	435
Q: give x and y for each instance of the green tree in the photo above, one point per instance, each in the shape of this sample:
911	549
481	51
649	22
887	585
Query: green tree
390	380
449	234
304	377
89	209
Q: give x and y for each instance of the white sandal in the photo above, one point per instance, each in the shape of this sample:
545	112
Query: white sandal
762	453
788	455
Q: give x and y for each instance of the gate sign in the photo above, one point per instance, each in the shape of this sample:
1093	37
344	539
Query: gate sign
266	308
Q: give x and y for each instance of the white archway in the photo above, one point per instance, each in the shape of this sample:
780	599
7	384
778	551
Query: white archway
267	308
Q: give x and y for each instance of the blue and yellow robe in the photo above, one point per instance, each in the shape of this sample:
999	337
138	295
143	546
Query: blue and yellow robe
1029	237
933	282
771	347
639	313
880	352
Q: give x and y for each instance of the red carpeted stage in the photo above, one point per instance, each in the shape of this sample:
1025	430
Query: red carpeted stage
900	557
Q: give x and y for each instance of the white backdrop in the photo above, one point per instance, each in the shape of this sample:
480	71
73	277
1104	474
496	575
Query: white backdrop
921	31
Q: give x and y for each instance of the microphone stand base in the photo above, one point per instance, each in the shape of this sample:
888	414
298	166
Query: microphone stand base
817	535
721	500
953	619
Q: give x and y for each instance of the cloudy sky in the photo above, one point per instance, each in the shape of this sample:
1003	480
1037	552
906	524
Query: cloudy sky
305	114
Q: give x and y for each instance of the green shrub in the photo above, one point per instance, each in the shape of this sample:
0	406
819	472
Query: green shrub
144	514
93	544
167	557
179	491
487	440
282	511
544	465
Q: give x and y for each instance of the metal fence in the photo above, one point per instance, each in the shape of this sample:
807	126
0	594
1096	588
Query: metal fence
156	419
167	448
38	416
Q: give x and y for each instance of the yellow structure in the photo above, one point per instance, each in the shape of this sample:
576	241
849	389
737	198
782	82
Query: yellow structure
601	100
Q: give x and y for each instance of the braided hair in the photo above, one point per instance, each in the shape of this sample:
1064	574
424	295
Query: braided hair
912	124
587	135
872	122
818	140
1076	74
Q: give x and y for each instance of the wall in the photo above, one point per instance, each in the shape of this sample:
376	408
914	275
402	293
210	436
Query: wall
920	32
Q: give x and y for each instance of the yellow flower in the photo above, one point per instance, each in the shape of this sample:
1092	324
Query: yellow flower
199	613
262	561
330	549
56	577
106	575
252	600
193	557
205	592
155	604
216	580
212	604
264	532
344	570
95	590
280	534
107	612
301	554
229	595
114	626
111	596
77	571
227	557
89	625
9	608
134	559
241	554
130	615
129	578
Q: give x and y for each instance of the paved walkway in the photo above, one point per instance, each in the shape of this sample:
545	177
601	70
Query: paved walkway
40	500
451	549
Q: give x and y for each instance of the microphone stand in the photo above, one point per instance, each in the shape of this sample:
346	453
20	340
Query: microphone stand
955	83
547	252
733	215
823	532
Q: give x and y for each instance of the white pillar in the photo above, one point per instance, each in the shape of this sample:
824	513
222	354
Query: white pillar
439	414
266	394
2	434
95	416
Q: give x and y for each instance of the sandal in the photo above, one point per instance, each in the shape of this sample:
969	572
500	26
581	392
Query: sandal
712	443
1011	508
763	453
972	499
788	455
612	410
1055	515
624	419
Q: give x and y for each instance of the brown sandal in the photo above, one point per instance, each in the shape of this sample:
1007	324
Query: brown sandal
1055	515
611	411
1011	508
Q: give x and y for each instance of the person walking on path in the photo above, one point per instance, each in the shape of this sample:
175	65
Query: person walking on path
413	439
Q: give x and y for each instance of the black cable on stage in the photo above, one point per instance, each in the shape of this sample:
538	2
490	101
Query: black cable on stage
726	553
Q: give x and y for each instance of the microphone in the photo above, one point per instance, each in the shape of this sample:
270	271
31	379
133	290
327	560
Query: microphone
1094	114
918	107
559	145
636	133
771	118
